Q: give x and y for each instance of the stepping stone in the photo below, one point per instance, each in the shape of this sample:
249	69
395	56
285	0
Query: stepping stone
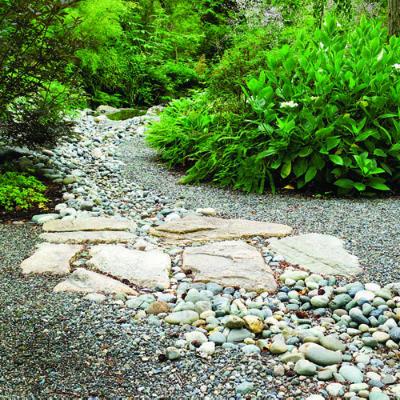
89	224
83	237
84	281
321	254
51	259
142	268
229	263
201	229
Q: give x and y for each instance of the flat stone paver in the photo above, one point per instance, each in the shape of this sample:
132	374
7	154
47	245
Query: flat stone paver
142	268
85	281
89	224
51	259
229	263
84	237
202	229
321	254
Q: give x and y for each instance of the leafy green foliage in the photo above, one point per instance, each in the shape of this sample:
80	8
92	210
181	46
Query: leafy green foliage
20	192
145	52
36	45
322	115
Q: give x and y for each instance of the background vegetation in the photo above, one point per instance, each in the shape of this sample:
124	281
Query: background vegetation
269	94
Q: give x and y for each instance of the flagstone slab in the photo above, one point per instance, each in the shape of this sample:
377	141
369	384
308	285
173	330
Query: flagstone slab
89	224
51	259
85	281
202	229
229	263
321	254
85	237
141	268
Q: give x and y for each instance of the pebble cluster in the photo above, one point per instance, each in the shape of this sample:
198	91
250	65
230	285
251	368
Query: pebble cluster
347	336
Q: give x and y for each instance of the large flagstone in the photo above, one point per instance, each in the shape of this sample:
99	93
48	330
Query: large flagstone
96	237
321	254
89	224
141	268
229	263
85	281
51	259
195	228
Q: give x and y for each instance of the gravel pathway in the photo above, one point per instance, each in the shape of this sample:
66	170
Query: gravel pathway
58	346
370	227
55	346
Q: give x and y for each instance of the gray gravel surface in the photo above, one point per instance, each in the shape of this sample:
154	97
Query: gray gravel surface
55	346
370	227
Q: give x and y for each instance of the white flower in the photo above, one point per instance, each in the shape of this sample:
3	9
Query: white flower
321	45
396	66
289	104
380	55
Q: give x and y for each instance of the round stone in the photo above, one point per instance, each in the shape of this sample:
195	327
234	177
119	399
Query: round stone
381	337
245	388
173	353
234	322
195	336
321	356
253	323
364	295
217	338
305	368
278	347
351	374
335	389
182	317
331	342
158	307
320	301
395	334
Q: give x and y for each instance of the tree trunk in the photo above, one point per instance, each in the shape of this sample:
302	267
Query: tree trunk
394	17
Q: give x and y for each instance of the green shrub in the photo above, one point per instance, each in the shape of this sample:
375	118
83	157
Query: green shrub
20	192
323	115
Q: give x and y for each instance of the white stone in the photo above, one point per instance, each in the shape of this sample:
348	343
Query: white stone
207	348
89	224
209	212
372	287
196	336
364	295
142	268
95	297
317	253
85	281
51	259
95	237
40	219
230	263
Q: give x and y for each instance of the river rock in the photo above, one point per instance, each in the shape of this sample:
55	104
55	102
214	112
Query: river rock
305	368
182	317
351	374
321	356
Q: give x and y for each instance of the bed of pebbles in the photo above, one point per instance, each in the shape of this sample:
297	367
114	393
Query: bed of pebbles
339	339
